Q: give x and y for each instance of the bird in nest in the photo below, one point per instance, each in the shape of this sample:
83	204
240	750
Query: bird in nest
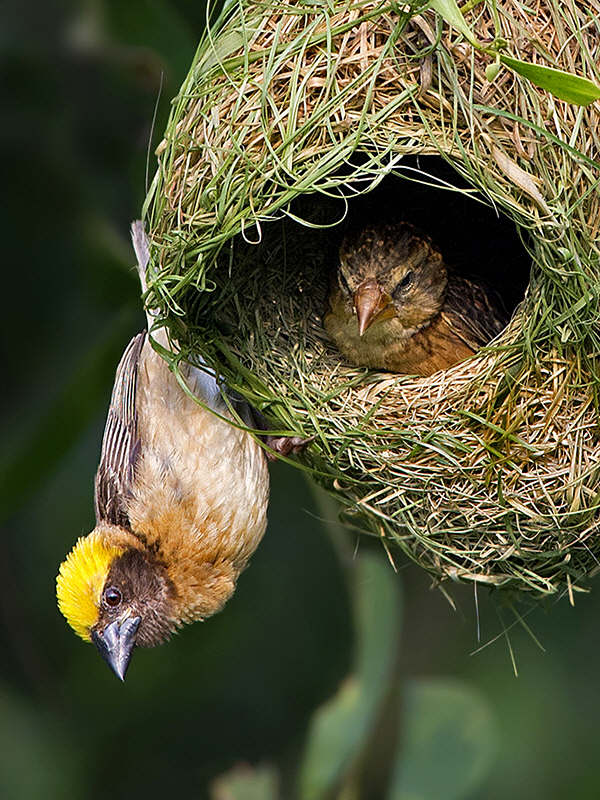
180	498
395	305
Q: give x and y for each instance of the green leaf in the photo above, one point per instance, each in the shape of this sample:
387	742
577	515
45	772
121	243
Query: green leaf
341	727
246	783
447	742
449	10
226	44
563	85
491	71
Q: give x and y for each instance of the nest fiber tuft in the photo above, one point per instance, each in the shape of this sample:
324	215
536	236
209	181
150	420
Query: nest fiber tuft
489	471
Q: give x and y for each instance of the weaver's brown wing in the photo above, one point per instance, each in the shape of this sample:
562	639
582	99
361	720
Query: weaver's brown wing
120	445
473	312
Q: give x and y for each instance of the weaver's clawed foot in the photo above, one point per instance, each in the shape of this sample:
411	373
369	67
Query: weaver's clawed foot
284	445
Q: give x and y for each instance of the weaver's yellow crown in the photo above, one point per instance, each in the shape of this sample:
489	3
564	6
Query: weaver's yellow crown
80	581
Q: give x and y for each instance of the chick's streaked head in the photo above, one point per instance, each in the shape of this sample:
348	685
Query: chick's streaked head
391	270
115	594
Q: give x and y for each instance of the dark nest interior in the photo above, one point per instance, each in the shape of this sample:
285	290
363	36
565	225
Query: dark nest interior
302	249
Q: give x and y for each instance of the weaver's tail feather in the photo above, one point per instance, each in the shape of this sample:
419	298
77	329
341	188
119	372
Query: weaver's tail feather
201	379
142	251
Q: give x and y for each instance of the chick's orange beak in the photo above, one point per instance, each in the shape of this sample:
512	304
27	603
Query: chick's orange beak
369	301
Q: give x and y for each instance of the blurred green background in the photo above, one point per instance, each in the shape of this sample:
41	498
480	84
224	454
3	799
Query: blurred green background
328	675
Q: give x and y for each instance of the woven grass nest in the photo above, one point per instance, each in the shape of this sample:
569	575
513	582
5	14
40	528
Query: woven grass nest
489	471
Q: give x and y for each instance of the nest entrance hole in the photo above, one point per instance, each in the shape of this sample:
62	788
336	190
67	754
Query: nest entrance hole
283	279
475	239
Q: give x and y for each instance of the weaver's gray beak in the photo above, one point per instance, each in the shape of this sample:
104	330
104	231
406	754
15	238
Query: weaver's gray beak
116	642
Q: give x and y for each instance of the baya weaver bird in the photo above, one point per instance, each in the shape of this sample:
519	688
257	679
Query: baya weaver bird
180	498
395	305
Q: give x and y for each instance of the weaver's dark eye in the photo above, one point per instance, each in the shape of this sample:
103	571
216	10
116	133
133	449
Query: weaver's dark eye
112	597
405	283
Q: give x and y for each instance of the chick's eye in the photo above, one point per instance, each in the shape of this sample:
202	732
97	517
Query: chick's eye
405	283
112	596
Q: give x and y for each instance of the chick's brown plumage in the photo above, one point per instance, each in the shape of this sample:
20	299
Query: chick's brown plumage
395	305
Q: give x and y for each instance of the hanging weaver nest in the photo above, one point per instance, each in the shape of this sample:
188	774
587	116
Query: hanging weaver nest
489	471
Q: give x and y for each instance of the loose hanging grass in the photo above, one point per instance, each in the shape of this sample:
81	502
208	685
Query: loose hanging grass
489	471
